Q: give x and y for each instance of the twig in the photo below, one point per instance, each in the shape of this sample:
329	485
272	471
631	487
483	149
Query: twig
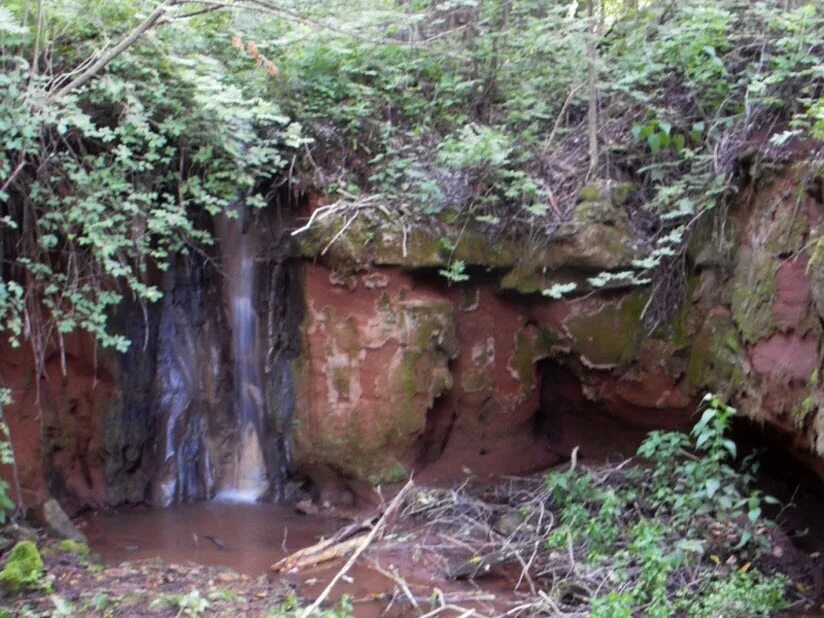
13	175
396	501
323	550
560	116
401	583
340	232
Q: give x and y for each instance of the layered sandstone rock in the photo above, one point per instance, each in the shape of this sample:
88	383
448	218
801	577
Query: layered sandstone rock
389	368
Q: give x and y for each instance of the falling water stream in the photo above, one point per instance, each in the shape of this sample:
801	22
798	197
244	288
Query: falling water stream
247	479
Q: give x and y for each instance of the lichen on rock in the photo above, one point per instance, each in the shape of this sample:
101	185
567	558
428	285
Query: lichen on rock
383	242
715	357
753	291
531	345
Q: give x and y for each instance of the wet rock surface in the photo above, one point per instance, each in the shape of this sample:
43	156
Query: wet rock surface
373	366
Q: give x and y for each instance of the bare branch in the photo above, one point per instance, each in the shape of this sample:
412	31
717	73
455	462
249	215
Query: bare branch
146	25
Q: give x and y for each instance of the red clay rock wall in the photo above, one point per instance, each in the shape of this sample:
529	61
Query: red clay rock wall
401	371
748	330
56	424
376	354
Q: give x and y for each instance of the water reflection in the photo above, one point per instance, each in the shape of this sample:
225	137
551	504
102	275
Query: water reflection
245	537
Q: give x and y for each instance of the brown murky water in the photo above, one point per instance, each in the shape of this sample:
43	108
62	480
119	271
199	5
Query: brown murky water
250	537
245	537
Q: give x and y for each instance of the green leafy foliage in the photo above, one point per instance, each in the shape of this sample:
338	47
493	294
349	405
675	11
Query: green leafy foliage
291	607
692	512
474	108
456	272
193	603
6	457
118	176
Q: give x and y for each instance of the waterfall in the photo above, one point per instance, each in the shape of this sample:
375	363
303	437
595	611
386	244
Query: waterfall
209	407
247	479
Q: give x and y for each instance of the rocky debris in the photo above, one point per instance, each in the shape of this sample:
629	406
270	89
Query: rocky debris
79	586
16	531
51	516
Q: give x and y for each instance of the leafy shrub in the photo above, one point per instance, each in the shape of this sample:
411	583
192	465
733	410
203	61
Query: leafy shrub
692	512
6	458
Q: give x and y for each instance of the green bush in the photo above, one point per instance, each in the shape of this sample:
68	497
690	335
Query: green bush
691	512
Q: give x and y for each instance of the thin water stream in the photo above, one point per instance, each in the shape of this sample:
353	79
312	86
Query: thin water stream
246	479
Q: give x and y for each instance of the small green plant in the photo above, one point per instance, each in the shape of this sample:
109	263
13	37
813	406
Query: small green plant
190	604
62	608
101	602
291	607
6	457
456	273
691	512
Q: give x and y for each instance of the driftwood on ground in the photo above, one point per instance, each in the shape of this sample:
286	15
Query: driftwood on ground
373	534
339	545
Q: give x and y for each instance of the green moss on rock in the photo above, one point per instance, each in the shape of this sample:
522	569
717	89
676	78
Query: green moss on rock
529	349
421	246
715	361
753	290
803	409
365	432
341	380
70	546
393	473
611	335
23	568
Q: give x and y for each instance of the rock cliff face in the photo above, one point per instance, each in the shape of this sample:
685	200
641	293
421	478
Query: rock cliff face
525	379
379	367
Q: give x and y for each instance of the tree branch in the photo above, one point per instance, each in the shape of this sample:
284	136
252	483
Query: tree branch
146	25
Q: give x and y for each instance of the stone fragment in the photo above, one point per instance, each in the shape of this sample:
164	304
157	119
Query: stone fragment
51	516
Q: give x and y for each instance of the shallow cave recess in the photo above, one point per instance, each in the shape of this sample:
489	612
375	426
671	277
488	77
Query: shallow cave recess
611	431
576	413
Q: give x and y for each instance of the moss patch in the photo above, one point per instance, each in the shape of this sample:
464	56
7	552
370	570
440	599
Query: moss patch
367	438
714	361
610	336
802	410
23	568
529	350
383	243
394	473
70	546
753	291
341	380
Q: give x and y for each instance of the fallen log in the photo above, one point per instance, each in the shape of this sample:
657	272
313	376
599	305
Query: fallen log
317	554
327	549
376	529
